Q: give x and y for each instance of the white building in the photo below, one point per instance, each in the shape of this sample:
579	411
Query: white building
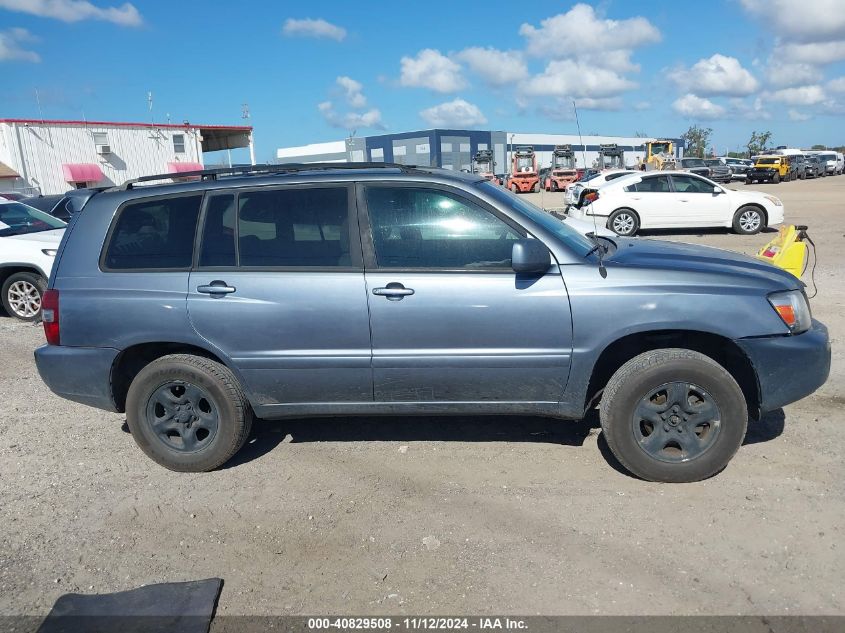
49	157
454	149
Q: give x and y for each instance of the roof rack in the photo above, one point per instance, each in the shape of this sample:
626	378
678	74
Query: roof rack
251	170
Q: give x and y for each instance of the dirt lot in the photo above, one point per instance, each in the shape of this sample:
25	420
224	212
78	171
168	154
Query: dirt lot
435	516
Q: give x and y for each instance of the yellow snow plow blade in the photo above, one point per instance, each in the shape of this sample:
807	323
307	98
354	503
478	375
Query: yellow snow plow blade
787	250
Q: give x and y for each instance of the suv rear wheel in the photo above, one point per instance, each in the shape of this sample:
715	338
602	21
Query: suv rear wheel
673	415
188	413
22	294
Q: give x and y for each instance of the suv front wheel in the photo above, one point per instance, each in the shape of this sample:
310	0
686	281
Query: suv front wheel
188	413
673	415
22	294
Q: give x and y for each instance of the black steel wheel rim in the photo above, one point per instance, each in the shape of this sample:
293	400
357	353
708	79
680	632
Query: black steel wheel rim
676	422
183	416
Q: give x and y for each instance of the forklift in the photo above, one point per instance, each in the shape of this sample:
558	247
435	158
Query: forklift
484	165
524	177
563	169
611	156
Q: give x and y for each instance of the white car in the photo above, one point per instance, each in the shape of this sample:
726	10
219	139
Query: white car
676	199
573	189
28	242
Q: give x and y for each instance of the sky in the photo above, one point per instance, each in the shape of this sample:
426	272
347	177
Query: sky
316	72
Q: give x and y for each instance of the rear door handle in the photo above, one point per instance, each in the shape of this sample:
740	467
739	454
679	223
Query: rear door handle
216	287
394	291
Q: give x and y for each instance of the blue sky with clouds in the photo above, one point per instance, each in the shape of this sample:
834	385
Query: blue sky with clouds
313	72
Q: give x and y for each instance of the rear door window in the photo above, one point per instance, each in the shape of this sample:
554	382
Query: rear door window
295	227
651	184
154	234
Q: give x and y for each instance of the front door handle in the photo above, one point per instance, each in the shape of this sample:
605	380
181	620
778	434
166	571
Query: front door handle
216	287
394	291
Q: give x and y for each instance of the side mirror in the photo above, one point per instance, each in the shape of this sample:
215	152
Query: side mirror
717	190
530	256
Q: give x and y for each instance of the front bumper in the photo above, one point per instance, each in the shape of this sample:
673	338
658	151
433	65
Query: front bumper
80	374
789	368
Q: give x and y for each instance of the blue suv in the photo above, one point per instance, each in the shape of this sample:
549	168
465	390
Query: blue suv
368	289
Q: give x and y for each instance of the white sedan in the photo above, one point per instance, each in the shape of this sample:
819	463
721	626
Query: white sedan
571	191
676	199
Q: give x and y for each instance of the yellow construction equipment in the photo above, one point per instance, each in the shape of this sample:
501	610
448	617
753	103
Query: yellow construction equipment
787	250
659	155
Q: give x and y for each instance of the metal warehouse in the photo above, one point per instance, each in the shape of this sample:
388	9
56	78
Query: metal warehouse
454	149
48	157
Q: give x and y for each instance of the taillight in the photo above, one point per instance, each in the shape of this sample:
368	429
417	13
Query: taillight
50	316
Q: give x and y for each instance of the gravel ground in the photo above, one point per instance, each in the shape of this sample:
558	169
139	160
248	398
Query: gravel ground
434	515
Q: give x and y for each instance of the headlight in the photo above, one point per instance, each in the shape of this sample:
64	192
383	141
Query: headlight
793	309
49	252
774	201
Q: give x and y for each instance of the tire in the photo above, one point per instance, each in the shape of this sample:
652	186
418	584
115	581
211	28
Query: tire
665	391
624	222
22	294
180	380
554	186
514	188
776	178
744	221
536	187
748	181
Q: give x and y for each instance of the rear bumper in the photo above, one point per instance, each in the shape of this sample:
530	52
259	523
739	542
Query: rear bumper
789	368
80	374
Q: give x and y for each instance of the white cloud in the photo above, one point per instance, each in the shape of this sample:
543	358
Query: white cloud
756	110
716	75
457	113
794	115
816	21
309	27
350	120
569	78
782	75
353	91
495	67
355	118
836	85
11	46
695	107
819	53
76	10
580	29
433	70
803	95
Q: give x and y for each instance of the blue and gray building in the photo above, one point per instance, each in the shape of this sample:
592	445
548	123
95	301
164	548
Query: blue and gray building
454	149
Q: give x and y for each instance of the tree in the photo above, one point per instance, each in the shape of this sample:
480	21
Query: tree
697	139
758	142
641	135
819	147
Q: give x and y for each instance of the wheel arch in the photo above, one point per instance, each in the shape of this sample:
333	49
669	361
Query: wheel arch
11	268
134	358
721	349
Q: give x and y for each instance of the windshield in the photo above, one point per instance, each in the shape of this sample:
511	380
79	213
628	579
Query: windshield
768	161
827	156
693	162
660	148
524	164
580	244
18	219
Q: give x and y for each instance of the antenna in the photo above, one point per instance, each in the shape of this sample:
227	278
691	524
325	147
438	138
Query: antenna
600	252
38	103
245	111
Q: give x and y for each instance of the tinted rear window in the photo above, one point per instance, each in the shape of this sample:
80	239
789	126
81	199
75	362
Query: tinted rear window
154	234
294	227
